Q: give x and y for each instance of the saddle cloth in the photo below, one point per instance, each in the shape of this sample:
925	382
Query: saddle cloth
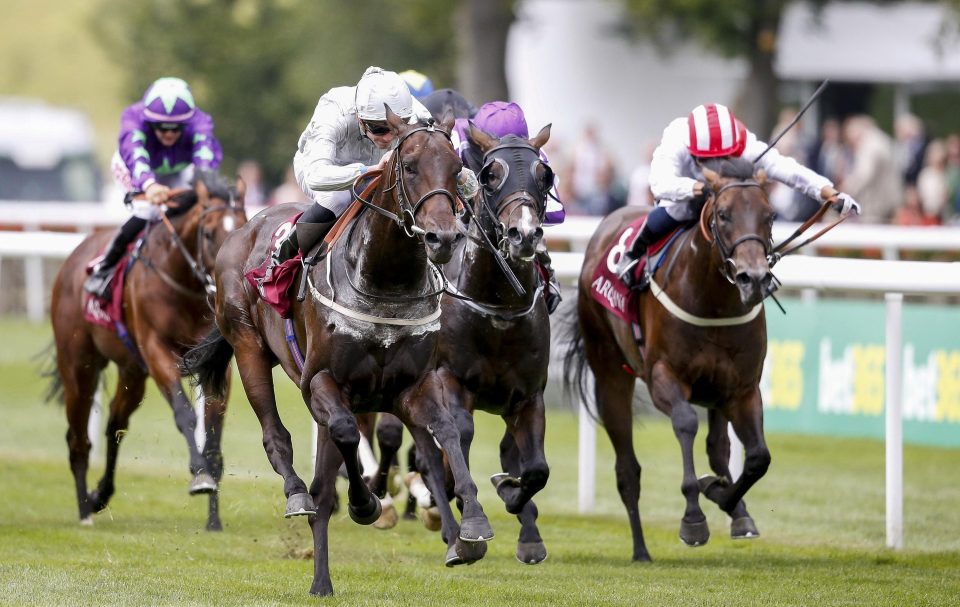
107	312
607	288
273	283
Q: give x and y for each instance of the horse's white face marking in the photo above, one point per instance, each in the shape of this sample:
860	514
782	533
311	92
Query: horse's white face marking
526	223
229	223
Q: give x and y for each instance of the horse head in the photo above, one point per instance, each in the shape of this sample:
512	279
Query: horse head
738	219
424	177
218	211
515	182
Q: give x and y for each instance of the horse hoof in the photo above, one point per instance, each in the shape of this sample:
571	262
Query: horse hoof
86	521
743	528
430	517
300	504
694	534
531	553
476	529
388	518
368	514
202	483
502	478
452	559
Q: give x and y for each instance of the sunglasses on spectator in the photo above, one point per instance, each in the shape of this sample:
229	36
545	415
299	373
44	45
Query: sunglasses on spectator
168	127
376	128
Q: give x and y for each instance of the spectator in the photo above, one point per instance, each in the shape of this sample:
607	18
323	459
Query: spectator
288	191
911	145
638	192
589	173
953	177
911	213
932	184
873	177
252	175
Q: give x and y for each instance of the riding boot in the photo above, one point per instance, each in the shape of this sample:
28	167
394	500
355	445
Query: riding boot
658	224
312	226
98	282
551	294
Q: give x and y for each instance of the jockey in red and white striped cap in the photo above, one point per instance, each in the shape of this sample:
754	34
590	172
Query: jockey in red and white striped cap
679	188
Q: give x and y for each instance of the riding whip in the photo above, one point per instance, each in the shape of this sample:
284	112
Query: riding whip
814	97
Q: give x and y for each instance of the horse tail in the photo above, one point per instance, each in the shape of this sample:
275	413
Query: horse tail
208	361
575	370
51	371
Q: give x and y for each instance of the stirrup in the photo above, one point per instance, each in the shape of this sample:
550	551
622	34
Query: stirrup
98	283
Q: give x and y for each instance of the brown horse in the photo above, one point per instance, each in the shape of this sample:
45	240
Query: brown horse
495	343
164	307
704	340
369	329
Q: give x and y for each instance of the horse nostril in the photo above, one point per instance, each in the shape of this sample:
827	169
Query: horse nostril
744	279
514	236
538	233
432	239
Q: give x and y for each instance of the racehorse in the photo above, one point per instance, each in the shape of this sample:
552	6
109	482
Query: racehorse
495	342
370	326
164	308
703	341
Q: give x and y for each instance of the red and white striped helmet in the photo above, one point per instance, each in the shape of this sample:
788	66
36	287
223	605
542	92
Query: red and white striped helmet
715	131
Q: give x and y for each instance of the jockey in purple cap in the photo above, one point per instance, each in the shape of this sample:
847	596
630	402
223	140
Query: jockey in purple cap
502	118
163	140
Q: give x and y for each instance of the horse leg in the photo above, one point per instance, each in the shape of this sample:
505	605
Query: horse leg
668	395
256	375
323	492
214	411
747	420
718	452
163	368
613	391
530	547
79	376
129	395
329	408
389	439
410	511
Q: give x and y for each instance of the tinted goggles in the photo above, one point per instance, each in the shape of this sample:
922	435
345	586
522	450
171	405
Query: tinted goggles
376	128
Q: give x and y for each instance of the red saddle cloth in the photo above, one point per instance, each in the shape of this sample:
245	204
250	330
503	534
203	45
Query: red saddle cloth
607	288
273	284
103	312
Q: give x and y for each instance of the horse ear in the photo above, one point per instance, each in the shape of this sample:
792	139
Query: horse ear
712	177
240	191
203	194
761	177
542	137
395	122
481	138
447	119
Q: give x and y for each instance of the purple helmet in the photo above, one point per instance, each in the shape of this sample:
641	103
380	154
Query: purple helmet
168	100
502	118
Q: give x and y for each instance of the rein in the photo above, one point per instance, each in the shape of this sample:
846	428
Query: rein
726	252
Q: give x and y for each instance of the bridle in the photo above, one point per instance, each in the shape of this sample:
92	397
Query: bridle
713	236
406	218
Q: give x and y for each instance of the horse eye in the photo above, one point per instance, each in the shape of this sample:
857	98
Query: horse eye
409	168
723	215
208	235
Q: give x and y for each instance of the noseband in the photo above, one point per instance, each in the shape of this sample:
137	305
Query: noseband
407	219
728	267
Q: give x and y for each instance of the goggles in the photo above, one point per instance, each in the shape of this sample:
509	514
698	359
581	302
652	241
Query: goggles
376	128
167	127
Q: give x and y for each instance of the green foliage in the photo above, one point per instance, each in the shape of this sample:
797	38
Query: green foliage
259	66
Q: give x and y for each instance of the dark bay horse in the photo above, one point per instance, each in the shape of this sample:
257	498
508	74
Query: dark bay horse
495	343
369	329
165	308
704	342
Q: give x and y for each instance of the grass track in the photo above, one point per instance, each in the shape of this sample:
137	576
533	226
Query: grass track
820	511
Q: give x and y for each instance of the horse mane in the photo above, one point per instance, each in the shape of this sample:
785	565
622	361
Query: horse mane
217	186
737	168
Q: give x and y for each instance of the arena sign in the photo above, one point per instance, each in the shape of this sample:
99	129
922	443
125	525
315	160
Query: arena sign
824	372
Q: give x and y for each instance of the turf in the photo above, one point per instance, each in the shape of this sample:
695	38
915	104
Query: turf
820	510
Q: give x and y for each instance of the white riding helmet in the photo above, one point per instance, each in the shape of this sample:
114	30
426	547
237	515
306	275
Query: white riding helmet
378	87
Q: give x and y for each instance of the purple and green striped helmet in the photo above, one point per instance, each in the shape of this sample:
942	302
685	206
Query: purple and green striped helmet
168	100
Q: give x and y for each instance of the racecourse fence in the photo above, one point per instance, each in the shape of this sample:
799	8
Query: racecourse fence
37	231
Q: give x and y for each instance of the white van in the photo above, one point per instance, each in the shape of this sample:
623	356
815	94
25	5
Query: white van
46	153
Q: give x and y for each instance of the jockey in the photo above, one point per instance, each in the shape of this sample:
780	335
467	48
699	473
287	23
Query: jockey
163	140
501	118
441	100
420	86
347	136
678	185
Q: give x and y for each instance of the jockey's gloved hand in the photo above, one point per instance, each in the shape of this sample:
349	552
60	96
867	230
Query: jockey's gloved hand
467	184
157	194
845	203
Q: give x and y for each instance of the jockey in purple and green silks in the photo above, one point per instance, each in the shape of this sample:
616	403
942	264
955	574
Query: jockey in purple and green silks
163	140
